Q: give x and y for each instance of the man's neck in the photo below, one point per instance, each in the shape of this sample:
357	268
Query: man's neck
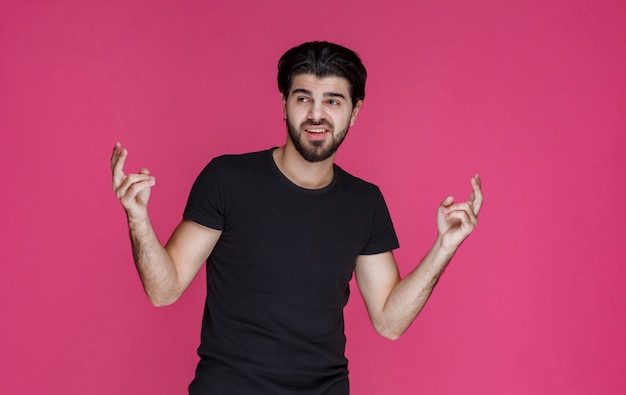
301	172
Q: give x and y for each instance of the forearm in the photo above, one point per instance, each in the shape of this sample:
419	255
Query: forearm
410	295
154	265
393	302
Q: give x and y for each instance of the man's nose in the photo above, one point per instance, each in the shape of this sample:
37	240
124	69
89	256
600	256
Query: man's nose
316	112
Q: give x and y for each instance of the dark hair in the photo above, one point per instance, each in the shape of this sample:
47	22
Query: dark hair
323	59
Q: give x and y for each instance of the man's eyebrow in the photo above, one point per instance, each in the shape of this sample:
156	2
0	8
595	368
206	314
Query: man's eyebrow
303	91
326	94
334	94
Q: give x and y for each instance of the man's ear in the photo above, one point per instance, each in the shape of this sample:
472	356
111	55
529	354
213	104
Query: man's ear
355	111
284	100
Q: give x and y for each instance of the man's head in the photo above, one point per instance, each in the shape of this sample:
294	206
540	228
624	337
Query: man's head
323	59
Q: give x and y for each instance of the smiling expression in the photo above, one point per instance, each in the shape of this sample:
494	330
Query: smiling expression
319	113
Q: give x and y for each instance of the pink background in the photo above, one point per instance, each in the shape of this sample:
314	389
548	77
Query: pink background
530	95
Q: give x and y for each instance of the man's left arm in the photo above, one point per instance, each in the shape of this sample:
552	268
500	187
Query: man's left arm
393	302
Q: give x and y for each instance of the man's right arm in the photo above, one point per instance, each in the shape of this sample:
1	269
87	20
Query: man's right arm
165	271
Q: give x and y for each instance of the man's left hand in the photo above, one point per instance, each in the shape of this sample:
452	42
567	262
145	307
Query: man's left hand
456	221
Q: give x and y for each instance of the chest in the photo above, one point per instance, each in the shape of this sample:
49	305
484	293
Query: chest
286	243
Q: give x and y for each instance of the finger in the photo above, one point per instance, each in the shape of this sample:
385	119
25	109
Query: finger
477	194
465	217
131	179
117	150
447	202
117	166
133	189
458	206
130	197
465	207
126	187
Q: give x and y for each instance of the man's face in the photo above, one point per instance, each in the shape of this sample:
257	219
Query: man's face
319	112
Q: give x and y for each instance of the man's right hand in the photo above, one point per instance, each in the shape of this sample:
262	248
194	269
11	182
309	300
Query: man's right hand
165	271
132	190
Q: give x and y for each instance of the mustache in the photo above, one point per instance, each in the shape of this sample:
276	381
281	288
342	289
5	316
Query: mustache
321	122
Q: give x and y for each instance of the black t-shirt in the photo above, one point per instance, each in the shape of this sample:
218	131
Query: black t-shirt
278	276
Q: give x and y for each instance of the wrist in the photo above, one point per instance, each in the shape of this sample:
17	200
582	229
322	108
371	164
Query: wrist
443	249
137	220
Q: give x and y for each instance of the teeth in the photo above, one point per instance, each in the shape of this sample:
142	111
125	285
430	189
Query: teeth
316	130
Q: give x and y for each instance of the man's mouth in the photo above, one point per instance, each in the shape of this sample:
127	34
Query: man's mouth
316	133
316	130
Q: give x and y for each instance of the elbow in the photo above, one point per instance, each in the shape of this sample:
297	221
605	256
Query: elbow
391	335
161	303
394	336
162	300
389	332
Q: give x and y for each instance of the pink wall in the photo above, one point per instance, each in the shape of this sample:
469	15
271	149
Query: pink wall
531	95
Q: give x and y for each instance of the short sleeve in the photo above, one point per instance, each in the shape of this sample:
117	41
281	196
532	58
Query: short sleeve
205	204
383	235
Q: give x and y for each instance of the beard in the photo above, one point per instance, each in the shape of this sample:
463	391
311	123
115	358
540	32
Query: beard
315	151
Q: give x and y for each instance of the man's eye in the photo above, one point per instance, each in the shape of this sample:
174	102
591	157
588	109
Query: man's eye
333	102
303	99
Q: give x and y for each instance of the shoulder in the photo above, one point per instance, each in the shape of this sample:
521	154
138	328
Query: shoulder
236	163
225	170
235	160
356	184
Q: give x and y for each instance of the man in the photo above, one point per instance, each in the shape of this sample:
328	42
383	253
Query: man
282	231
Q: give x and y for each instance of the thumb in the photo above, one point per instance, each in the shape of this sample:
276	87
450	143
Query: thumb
447	202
